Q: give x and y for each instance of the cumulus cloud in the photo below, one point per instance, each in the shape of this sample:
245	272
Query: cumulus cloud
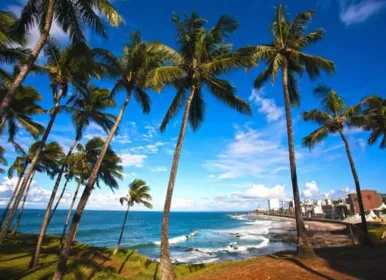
267	106
132	160
354	11
261	191
311	189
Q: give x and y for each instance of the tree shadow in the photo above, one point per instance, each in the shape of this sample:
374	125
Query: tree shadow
196	267
125	261
309	269
155	272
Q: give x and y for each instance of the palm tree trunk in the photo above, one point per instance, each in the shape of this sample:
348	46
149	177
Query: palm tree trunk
166	269
22	206
3	233
31	59
304	247
123	228
15	190
365	238
35	257
64	253
59	199
70	211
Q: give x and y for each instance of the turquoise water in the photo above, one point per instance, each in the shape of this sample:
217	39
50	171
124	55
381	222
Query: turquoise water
194	237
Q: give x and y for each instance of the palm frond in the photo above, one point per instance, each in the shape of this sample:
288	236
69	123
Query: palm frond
315	137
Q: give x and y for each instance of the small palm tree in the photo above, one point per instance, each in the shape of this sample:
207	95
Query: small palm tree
373	119
22	108
71	17
110	169
332	118
49	162
138	194
203	57
88	105
286	53
74	65
137	60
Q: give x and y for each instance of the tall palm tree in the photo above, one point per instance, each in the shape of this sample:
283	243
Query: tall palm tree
333	116
74	65
49	162
203	56
71	17
132	67
109	170
373	119
21	109
286	53
138	194
88	106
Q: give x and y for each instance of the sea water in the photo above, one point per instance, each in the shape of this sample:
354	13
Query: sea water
194	237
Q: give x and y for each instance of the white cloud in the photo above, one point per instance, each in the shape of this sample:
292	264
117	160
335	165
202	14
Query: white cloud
261	191
362	143
266	106
150	132
159	169
252	152
148	149
311	190
132	160
354	11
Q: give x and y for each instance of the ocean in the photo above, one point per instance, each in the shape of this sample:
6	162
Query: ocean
195	237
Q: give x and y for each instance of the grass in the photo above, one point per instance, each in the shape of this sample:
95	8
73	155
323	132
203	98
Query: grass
377	232
86	262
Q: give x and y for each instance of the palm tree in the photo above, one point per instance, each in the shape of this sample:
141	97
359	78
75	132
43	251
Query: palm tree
3	161
203	57
332	119
373	119
286	53
133	66
71	17
74	65
49	162
138	194
19	166
88	106
109	170
11	43
21	109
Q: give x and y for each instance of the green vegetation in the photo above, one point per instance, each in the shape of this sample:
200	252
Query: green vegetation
376	233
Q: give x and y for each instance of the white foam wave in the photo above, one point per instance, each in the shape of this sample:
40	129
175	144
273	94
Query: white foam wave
239	217
178	239
234	247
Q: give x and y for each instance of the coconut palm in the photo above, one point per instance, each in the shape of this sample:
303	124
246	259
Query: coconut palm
110	169
74	65
88	106
203	56
70	16
373	119
137	60
11	43
49	162
21	109
286	53
138	194
333	116
3	161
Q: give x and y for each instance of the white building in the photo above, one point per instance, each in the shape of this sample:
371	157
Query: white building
274	204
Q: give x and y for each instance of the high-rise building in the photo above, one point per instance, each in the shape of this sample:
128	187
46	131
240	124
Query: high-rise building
274	204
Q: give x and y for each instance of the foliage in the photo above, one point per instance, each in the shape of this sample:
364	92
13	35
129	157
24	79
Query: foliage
138	194
203	56
22	108
290	39
332	117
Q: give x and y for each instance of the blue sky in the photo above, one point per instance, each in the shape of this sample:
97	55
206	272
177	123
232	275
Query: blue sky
234	162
